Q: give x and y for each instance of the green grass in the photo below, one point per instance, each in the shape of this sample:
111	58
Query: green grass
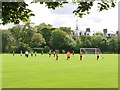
45	72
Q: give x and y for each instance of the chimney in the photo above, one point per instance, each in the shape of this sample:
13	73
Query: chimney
105	31
87	29
117	32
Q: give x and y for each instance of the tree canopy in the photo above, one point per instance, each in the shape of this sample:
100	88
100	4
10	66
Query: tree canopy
45	37
14	12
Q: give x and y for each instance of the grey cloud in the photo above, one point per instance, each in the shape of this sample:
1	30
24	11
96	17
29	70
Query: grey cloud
96	19
66	9
62	19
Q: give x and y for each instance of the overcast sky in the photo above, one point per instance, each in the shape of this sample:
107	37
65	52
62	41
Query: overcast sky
97	21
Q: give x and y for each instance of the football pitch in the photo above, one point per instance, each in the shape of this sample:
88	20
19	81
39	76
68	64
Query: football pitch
46	72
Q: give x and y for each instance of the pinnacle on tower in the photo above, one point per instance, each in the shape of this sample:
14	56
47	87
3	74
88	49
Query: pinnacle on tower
76	24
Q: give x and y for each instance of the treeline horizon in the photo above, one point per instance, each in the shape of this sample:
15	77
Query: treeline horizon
45	37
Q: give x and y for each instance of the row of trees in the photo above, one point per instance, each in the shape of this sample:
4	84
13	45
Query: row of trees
45	37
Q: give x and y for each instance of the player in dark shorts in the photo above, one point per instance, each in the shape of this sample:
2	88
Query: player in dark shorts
50	53
21	53
13	53
32	53
26	53
98	55
41	52
81	54
35	53
73	52
56	55
68	55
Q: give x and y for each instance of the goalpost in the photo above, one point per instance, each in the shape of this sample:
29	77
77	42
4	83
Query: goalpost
90	50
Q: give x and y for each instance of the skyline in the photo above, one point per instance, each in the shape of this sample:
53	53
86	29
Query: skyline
96	21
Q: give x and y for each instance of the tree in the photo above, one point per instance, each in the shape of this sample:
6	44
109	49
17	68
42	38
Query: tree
27	33
84	7
66	29
8	41
45	30
23	35
61	40
99	41
96	40
23	46
78	43
43	25
118	45
37	40
16	31
46	49
113	44
99	33
86	41
104	45
14	12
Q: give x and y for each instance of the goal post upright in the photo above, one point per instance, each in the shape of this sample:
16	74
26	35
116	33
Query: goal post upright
95	50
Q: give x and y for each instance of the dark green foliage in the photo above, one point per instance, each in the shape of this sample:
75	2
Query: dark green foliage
113	44
53	5
14	12
106	5
7	41
66	29
46	49
83	8
37	40
22	46
118	44
61	40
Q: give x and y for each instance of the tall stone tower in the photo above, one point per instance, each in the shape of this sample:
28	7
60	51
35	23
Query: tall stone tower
76	25
77	29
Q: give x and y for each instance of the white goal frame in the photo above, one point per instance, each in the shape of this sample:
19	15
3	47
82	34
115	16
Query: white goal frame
96	50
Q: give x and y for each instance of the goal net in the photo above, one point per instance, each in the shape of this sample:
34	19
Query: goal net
90	50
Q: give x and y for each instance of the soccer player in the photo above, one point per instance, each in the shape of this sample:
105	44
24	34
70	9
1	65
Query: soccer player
97	55
63	51
68	55
56	55
41	52
73	52
50	53
35	53
81	54
21	53
26	53
13	53
31	53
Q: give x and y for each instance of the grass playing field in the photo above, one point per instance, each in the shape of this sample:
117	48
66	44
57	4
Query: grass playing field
45	72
